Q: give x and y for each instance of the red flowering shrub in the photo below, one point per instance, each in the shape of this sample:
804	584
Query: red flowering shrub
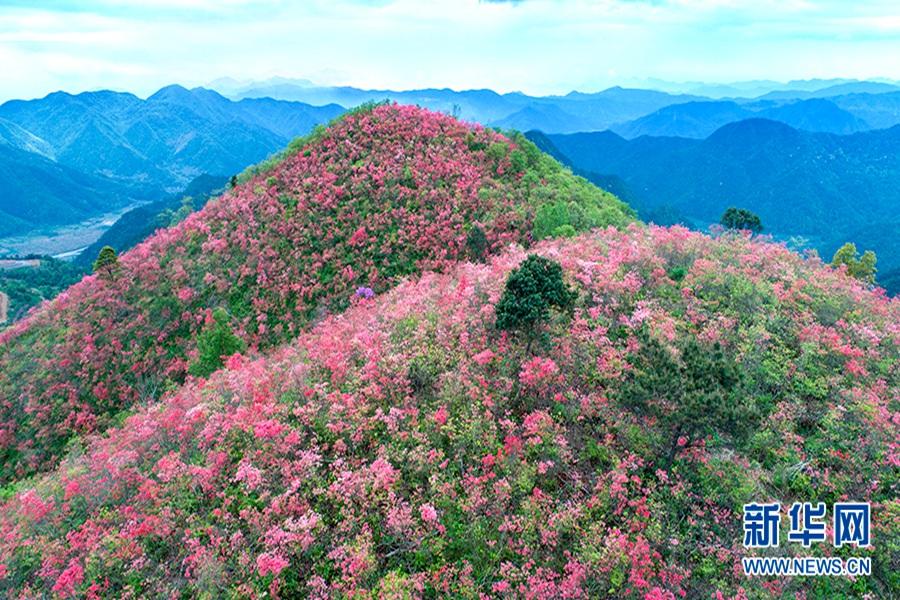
384	193
407	448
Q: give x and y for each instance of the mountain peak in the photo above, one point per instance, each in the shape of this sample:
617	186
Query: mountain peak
382	194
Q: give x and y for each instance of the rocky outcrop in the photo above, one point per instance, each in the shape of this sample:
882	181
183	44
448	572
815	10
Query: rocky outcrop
4	307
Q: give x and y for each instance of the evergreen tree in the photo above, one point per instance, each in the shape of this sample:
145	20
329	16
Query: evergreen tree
476	244
690	394
107	261
531	291
214	343
741	219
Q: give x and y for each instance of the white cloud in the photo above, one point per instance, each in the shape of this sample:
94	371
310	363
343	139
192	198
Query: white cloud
538	46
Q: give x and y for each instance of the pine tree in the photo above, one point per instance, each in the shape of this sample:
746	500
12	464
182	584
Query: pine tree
689	394
531	291
214	343
107	261
741	219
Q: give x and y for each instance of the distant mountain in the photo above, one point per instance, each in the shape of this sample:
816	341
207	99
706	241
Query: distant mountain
816	115
546	117
37	191
838	89
576	111
701	119
691	119
139	223
17	137
819	185
880	111
163	142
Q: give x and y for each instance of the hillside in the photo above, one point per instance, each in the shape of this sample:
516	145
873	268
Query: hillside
38	191
381	195
822	186
409	448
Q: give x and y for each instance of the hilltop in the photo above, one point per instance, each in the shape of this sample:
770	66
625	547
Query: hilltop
385	193
409	448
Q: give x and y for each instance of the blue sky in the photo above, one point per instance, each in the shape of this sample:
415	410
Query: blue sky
536	46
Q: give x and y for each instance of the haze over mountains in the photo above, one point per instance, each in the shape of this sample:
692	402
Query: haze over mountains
797	153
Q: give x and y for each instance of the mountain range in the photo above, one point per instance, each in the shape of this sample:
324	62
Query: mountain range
842	107
830	188
90	152
413	357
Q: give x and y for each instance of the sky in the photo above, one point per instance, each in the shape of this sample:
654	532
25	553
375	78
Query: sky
534	46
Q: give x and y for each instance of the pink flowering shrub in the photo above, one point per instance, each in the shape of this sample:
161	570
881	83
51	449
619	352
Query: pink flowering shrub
407	448
381	195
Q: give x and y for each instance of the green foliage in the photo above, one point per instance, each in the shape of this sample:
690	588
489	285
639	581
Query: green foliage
107	261
741	219
476	244
216	341
531	291
170	217
29	286
691	395
562	198
862	268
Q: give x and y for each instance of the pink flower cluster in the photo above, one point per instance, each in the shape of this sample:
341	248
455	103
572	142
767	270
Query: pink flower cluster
334	468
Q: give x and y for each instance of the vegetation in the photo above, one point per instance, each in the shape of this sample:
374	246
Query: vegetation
290	244
690	396
860	267
531	291
29	286
404	449
741	219
215	343
370	418
107	262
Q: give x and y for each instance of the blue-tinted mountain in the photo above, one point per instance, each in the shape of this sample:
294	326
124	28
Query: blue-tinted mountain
691	119
819	185
701	119
880	111
576	111
163	142
838	89
817	115
38	191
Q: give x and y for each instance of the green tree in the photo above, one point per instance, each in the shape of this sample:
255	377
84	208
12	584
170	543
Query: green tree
690	394
476	244
741	218
862	268
107	261
214	343
531	291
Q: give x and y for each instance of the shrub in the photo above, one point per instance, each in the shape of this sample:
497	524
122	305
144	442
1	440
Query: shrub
741	219
531	291
215	342
476	244
862	268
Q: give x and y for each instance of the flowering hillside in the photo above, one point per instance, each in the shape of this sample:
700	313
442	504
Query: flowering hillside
384	193
408	447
